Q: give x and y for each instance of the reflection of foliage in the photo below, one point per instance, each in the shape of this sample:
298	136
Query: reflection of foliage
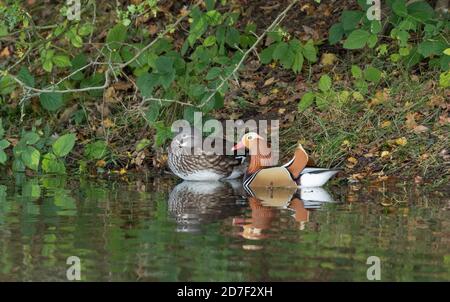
121	233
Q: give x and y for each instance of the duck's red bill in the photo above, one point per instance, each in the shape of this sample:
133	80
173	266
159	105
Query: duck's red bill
238	146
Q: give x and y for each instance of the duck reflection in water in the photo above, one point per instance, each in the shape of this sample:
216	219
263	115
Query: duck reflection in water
195	203
265	203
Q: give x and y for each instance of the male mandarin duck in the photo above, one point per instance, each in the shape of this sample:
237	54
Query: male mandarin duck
261	173
189	161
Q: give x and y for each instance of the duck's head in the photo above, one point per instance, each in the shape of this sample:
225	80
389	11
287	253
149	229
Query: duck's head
248	141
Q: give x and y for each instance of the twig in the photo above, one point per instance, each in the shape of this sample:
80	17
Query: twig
277	21
107	73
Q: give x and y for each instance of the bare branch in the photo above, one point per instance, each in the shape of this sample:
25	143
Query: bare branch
272	26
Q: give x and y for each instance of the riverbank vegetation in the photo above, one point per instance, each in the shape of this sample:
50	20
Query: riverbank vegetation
98	95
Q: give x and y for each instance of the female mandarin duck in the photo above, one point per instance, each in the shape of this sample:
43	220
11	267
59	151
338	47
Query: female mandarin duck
189	161
260	172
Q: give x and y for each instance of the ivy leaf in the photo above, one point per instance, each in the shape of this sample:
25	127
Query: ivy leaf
51	101
357	39
64	144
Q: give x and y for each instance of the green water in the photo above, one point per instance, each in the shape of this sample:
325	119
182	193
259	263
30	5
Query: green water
154	230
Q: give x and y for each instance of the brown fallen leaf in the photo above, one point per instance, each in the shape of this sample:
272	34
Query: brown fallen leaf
5	53
411	120
269	81
264	100
420	129
248	85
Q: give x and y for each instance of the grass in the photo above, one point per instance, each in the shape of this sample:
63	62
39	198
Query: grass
354	134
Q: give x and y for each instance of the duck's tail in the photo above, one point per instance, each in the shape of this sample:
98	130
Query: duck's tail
296	165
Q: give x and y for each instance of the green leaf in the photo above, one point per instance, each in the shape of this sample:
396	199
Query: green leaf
375	27
79	61
116	36
421	10
280	50
51	164
51	101
47	65
7	85
3	29
18	165
85	29
325	83
267	54
198	27
309	51
357	39
213	73
146	83
446	51
62	61
297	65
64	144
399	7
232	37
3	157
4	144
76	41
444	79
372	41
25	76
429	48
30	138
209	41
153	112
336	33
164	64
96	150
306	101
356	72
31	157
372	74
350	19
142	144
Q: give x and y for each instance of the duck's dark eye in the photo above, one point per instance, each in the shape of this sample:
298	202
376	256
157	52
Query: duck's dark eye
250	137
